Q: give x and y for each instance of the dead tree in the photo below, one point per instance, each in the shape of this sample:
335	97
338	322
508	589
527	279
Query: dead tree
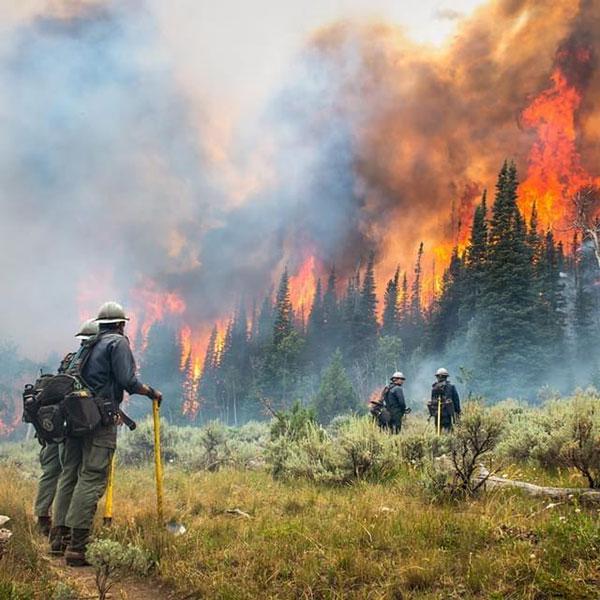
586	203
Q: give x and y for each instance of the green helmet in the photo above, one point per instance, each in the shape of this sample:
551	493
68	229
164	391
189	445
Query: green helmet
88	329
111	312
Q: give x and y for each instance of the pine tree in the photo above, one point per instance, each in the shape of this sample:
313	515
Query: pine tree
403	312
551	303
207	386
444	323
314	331
391	324
366	326
475	262
336	394
265	321
161	364
507	326
331	316
282	326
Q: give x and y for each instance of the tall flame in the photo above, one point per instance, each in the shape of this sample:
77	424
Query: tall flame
555	171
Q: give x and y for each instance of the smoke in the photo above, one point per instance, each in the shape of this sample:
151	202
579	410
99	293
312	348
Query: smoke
121	168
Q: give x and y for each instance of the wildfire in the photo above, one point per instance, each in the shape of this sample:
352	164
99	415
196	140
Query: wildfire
151	306
555	172
193	350
303	285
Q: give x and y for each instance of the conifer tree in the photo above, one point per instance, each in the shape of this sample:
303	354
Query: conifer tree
282	326
475	262
366	326
336	394
507	335
444	322
207	386
265	321
391	324
331	316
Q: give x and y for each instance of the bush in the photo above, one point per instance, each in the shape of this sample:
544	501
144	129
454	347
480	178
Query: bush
581	447
419	443
474	436
112	560
137	447
357	451
294	424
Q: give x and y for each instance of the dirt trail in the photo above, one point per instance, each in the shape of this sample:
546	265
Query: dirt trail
83	580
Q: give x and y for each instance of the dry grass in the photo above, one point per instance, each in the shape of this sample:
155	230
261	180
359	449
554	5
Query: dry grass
307	541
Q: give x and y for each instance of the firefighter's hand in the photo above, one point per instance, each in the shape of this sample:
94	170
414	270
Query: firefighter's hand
153	394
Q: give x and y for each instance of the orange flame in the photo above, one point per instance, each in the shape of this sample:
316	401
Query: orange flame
555	172
151	306
303	285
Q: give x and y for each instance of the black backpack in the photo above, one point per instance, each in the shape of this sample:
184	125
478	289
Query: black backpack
63	405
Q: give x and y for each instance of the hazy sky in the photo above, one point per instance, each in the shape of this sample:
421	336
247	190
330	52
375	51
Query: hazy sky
243	47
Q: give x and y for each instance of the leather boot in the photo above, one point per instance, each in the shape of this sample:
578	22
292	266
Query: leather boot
59	540
75	552
44	524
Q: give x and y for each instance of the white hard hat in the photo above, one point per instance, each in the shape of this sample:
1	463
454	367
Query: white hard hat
398	375
111	312
88	329
442	373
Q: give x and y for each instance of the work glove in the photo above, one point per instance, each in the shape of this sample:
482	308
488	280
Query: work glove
154	394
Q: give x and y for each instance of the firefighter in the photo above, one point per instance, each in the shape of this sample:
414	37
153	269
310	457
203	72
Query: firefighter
395	403
444	395
109	371
51	452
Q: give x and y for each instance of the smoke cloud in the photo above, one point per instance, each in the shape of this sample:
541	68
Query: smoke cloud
121	169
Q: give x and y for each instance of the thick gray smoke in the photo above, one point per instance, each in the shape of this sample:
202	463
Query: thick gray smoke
106	184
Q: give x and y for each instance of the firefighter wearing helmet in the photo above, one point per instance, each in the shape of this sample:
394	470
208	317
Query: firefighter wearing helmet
444	399
108	370
391	407
51	454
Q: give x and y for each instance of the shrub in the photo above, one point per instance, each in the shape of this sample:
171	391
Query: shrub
358	451
581	448
137	447
364	452
112	560
475	436
294	424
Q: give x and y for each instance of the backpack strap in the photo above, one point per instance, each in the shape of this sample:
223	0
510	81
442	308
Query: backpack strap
81	358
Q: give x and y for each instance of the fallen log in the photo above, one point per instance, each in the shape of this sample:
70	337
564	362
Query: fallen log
556	493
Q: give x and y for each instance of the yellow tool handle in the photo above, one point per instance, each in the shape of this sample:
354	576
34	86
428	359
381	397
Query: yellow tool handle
439	417
108	504
157	460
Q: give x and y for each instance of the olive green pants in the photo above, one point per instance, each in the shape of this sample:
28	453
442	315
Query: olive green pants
51	464
83	480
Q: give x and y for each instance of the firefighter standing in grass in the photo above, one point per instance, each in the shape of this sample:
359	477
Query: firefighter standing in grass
395	402
51	452
391	408
444	395
108	372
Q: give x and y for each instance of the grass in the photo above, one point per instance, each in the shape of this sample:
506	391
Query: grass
307	541
302	540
